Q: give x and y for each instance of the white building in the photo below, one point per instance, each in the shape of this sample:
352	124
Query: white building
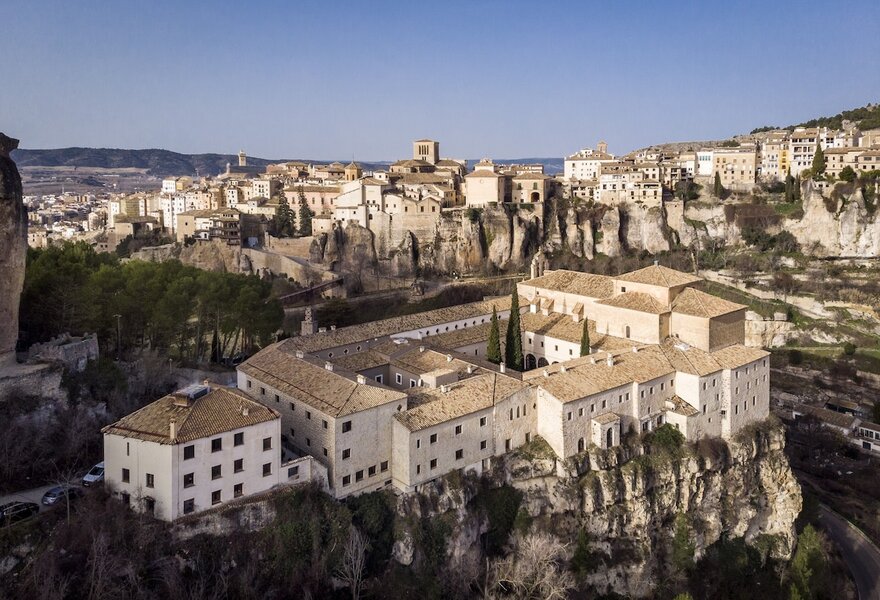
587	163
193	450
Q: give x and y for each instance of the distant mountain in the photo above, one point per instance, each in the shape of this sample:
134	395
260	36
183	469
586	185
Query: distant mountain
162	163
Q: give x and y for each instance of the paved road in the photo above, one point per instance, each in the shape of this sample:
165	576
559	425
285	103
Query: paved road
32	495
861	555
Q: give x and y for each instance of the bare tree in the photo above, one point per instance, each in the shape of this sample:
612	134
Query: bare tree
535	569
66	479
354	561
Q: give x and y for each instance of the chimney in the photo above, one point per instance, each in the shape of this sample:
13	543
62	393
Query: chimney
328	365
546	373
656	263
362	380
172	426
502	367
470	369
333	328
300	354
421	348
448	358
245	410
592	360
444	389
609	360
635	349
562	369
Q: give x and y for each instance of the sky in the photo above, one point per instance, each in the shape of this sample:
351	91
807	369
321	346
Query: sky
361	80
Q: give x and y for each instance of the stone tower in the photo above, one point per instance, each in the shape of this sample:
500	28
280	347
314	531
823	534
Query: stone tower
426	150
242	158
602	147
13	249
353	171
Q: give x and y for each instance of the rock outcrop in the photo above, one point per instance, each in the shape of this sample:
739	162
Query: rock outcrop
13	249
838	225
624	504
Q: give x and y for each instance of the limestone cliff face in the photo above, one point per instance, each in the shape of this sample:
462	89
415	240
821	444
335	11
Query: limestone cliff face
213	255
13	249
627	503
842	226
644	228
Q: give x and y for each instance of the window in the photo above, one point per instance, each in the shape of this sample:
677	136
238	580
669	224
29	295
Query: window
398	378
262	391
238	490
277	399
383	466
433	464
238	465
309	442
458	430
507	445
126	474
324	423
412	383
346	454
292	432
359	475
267	469
189	452
483	444
292	472
378	379
482	421
309	415
418	443
569	415
150	480
267	444
216	444
371	471
346	426
189	480
324	450
459	454
249	383
418	469
128	449
238	440
189	506
292	406
216	472
215	497
346	480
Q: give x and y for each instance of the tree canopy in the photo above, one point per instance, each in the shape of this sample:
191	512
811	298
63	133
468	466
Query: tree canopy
493	350
169	306
513	355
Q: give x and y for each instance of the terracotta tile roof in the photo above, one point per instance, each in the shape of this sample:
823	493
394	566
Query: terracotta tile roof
660	276
529	175
377	329
483	173
218	411
606	418
636	301
827	416
415	360
361	361
574	282
463	398
459	338
687	359
335	393
581	378
693	302
681	407
736	356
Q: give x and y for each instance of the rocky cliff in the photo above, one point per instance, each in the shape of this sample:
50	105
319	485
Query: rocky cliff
623	504
13	248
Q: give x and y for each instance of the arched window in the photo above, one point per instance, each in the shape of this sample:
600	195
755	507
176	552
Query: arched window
582	445
627	331
609	438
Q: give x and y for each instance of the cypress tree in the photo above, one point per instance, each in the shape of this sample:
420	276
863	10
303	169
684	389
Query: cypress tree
493	350
818	167
513	355
283	218
305	220
585	339
789	192
718	189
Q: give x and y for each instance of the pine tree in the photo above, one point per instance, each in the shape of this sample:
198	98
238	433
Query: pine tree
513	355
718	189
493	350
585	340
818	167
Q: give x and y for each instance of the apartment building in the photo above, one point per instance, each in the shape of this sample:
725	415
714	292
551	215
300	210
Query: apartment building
737	167
587	163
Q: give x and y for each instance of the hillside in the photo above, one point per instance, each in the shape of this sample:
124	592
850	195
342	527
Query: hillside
161	163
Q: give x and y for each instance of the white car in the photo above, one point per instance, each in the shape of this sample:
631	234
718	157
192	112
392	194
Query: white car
94	476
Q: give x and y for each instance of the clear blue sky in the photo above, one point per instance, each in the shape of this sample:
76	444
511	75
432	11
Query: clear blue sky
502	79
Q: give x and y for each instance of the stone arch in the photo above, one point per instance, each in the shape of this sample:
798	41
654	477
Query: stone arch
609	437
542	362
582	445
535	197
531	363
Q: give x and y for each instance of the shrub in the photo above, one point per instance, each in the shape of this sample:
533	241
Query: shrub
665	438
849	348
795	357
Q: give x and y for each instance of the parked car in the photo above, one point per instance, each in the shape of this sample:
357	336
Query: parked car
61	493
95	475
13	512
